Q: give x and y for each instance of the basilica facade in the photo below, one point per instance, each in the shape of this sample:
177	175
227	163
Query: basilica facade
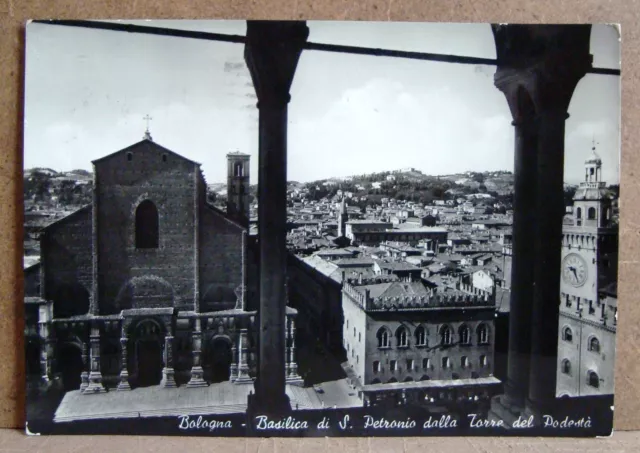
149	284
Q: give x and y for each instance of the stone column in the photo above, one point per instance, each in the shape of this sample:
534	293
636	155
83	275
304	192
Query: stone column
168	373
95	376
47	340
293	377
123	385
84	377
272	51
196	370
538	70
233	369
547	270
243	367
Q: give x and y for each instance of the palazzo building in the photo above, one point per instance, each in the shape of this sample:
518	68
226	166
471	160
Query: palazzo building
406	343
149	284
588	299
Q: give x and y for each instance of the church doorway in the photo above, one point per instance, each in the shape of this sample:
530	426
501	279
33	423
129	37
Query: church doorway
219	360
148	352
70	365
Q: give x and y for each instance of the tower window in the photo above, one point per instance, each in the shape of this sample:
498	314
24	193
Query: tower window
567	335
592	379
594	344
238	169
579	213
164	157
566	367
591	213
147	226
129	157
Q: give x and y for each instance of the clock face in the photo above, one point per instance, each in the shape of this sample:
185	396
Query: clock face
574	270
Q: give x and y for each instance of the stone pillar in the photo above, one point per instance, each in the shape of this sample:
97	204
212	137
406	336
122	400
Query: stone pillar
538	70
196	370
293	377
47	340
84	377
123	385
168	373
547	270
95	376
272	51
243	367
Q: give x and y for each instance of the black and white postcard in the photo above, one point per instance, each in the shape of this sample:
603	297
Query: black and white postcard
290	228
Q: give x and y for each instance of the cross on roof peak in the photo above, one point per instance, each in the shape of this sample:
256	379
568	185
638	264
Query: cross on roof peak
147	134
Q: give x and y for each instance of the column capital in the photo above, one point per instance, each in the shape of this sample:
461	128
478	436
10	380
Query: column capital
539	66
272	52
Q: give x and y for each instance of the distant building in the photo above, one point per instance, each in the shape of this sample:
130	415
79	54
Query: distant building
588	296
406	343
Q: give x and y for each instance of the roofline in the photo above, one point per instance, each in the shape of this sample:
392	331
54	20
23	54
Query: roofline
225	216
59	221
142	141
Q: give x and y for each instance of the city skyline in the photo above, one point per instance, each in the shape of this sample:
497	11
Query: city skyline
348	113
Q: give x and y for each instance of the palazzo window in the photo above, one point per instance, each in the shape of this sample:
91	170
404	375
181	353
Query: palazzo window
383	338
376	366
483	361
464	362
147	225
409	364
445	335
401	335
593	380
567	334
594	344
465	335
393	365
591	214
421	336
446	363
483	334
566	367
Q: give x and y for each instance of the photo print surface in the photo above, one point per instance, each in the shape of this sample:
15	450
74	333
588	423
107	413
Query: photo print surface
289	228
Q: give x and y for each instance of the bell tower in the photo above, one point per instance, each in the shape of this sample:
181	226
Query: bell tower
343	216
592	205
238	186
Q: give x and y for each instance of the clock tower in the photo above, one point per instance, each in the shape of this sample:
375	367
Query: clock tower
588	300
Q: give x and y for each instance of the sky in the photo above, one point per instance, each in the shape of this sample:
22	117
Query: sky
87	92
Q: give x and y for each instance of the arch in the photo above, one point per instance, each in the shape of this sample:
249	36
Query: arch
147	343
464	334
402	337
567	333
145	291
408	379
383	336
579	213
421	336
593	380
70	299
594	344
425	377
445	334
591	213
392	380
565	367
147	226
376	381
70	364
218	358
483	334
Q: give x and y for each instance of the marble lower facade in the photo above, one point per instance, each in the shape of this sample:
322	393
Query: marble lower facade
151	347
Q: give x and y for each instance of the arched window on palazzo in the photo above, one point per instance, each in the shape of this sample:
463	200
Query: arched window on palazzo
445	335
383	337
421	336
465	335
147	226
483	334
594	344
567	334
566	367
402	337
592	379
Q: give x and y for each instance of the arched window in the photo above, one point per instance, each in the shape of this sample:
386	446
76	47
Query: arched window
483	361
376	366
483	334
445	335
383	337
594	344
566	367
426	364
579	213
425	377
238	169
592	379
567	334
464	361
465	335
591	213
146	226
421	336
401	336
